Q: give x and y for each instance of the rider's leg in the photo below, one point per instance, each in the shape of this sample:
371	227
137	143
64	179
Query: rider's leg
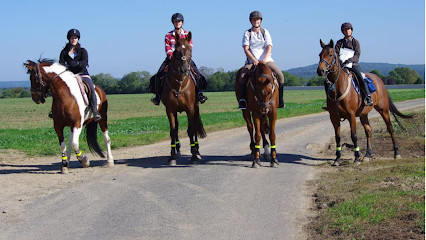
242	92
157	81
199	80
280	76
93	100
368	101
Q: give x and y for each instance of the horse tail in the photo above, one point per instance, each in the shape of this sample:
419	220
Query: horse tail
92	139
395	112
197	119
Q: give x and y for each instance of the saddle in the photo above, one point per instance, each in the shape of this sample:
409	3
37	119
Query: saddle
355	81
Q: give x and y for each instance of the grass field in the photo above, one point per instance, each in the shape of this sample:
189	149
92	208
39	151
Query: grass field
381	199
134	120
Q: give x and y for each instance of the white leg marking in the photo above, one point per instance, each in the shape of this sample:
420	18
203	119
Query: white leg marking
107	140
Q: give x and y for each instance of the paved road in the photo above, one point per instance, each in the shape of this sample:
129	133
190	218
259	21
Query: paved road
141	198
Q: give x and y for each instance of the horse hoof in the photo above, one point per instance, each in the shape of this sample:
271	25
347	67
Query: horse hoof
397	157
178	154
109	164
366	159
64	170
357	162
336	163
255	165
274	163
195	159
172	162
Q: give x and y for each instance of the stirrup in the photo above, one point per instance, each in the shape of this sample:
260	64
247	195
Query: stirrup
155	100
368	101
97	116
202	98
50	115
242	104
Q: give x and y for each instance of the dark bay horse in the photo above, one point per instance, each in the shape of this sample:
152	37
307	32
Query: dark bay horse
69	109
178	95
262	103
343	102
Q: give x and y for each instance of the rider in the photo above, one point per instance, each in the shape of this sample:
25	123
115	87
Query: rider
177	20
76	59
257	44
351	43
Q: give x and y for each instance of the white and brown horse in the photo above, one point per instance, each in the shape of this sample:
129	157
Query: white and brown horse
69	109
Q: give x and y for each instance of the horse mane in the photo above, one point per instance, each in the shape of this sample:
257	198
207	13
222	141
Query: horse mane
46	60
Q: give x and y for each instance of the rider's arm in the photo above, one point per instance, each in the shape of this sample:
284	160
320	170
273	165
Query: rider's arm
357	49
168	45
268	51
249	54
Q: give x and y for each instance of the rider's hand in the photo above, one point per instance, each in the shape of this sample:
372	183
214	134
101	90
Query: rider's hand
73	63
255	62
262	61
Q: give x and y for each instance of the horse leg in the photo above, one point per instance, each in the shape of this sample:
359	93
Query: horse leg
336	125
191	132
367	129
247	118
266	150
257	137
107	140
63	147
173	136
352	123
386	117
74	142
177	142
272	137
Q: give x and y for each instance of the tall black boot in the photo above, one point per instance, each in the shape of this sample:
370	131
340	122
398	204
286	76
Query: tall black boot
96	115
281	103
242	95
368	101
156	98
201	97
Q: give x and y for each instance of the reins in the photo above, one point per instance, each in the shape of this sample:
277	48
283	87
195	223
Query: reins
253	86
332	84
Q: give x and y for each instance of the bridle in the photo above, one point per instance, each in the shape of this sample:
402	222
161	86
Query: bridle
260	102
180	81
329	65
41	89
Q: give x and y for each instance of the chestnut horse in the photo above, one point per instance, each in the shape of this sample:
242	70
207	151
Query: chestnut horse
343	102
178	95
69	109
262	103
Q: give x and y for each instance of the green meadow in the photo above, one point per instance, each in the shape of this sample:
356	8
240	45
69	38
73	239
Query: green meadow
133	120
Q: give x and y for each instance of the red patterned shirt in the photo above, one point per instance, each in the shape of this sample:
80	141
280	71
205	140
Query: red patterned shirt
170	41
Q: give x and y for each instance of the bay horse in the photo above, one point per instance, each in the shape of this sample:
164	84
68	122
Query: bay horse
262	103
343	102
178	95
69	109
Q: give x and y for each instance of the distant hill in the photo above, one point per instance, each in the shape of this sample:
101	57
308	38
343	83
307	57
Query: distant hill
383	68
15	84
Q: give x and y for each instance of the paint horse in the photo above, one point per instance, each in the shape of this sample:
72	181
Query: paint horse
69	109
343	102
178	95
262	103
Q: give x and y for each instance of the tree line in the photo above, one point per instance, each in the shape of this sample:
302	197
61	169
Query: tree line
218	81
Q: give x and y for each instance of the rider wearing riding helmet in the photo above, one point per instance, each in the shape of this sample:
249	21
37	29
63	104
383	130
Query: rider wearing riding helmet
351	43
257	44
170	41
76	59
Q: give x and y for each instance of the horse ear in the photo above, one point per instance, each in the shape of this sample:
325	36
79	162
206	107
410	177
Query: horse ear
331	44
29	64
322	44
189	37
177	36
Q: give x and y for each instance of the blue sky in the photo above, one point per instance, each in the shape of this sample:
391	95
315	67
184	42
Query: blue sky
126	36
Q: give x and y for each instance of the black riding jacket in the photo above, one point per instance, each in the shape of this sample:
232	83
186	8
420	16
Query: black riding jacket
78	64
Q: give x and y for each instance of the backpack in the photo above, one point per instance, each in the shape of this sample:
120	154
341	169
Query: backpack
262	30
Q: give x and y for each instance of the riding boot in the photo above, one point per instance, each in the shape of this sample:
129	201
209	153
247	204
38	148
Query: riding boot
50	115
242	102
96	115
156	98
368	101
201	97
281	97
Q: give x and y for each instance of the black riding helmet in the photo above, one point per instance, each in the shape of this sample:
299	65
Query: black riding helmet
346	25
177	17
256	14
73	32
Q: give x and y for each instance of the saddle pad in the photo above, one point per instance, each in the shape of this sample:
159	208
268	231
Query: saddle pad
369	82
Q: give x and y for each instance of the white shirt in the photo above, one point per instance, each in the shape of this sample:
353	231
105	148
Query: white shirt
257	44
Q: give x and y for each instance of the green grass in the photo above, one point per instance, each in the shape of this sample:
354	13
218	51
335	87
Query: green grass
134	120
380	199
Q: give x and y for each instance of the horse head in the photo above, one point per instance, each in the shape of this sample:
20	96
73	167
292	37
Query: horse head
264	87
39	86
182	55
328	59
